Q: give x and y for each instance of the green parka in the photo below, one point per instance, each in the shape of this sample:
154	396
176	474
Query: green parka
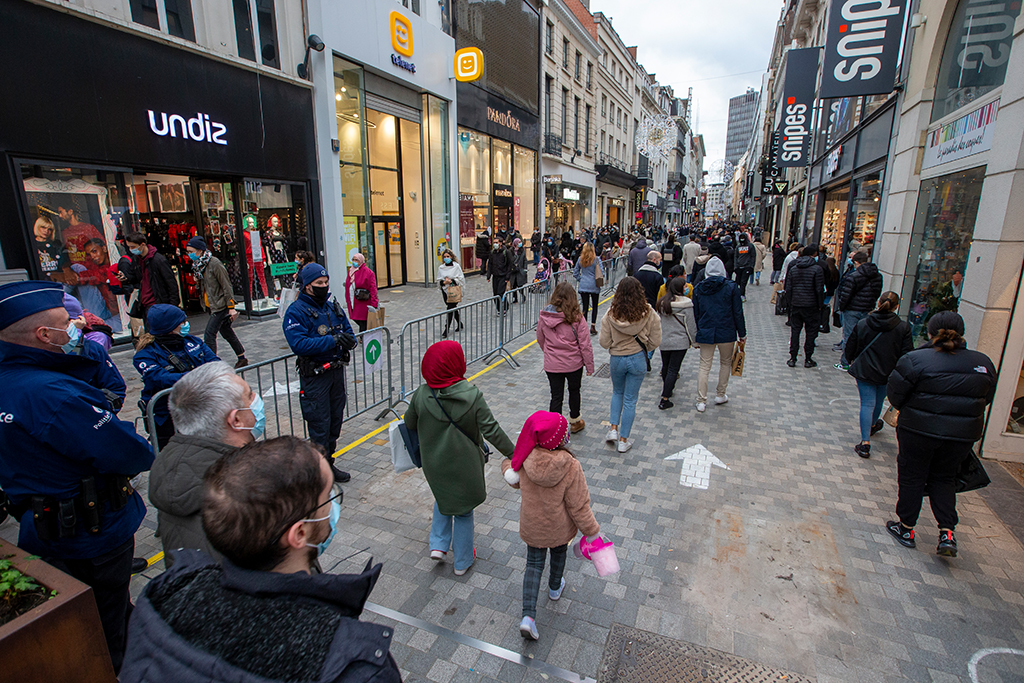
452	464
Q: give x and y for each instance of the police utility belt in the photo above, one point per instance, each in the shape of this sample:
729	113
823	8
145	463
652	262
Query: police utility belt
58	519
307	367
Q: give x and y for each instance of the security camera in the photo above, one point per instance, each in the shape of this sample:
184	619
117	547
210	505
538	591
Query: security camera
315	43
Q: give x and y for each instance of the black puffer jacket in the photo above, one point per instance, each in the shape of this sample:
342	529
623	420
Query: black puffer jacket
943	395
805	284
778	256
202	622
876	344
860	289
746	256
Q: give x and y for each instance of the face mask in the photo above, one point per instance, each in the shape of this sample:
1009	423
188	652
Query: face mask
320	294
137	252
73	335
333	517
185	327
355	264
447	261
259	413
193	255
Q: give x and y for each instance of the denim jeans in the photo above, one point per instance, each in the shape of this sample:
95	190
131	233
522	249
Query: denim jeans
627	376
461	542
872	396
850	320
776	276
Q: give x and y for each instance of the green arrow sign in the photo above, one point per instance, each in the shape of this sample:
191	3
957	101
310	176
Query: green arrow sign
372	351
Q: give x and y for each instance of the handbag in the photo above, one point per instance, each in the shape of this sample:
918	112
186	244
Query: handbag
647	354
891	417
970	477
453	294
485	448
405	447
362	294
598	276
861	354
837	319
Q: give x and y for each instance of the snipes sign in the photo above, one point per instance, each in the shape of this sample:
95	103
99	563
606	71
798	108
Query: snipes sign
862	47
794	141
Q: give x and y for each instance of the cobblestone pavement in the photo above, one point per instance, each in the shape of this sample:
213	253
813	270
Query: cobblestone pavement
782	559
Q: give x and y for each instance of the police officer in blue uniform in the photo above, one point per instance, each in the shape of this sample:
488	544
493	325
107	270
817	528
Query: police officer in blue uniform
164	356
65	458
319	333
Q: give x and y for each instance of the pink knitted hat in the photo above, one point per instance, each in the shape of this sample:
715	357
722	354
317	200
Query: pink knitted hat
543	429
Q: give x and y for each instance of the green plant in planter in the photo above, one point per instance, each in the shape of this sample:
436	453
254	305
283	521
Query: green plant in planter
18	593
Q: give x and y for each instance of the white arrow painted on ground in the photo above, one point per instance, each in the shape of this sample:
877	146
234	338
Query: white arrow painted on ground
697	462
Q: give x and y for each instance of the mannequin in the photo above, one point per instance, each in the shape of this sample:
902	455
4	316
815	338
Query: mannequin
276	239
254	256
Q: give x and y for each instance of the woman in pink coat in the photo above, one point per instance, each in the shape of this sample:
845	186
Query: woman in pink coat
563	336
360	277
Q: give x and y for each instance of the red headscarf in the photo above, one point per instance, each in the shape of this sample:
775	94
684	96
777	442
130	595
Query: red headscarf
443	364
543	429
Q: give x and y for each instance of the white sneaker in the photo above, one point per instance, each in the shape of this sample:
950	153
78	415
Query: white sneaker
612	435
625	445
437	555
720	400
554	595
701	406
528	629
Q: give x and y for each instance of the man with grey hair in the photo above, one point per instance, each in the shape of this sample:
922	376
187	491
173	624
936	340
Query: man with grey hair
215	412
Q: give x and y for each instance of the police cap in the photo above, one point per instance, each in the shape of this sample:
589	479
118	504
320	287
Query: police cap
19	300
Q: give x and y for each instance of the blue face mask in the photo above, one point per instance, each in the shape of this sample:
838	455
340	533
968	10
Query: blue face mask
332	517
257	408
447	261
74	334
137	252
355	264
185	327
194	255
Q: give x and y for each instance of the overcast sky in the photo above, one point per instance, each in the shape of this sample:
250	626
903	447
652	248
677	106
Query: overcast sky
686	42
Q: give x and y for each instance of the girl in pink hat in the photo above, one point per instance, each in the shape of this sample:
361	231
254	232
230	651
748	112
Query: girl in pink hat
555	505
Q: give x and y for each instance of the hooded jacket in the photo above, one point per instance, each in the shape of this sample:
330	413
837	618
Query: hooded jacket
679	330
860	289
651	278
746	255
691	250
778	257
617	336
216	286
176	491
156	279
699	264
718	309
452	463
876	344
805	284
759	257
201	622
638	255
566	347
943	395
555	499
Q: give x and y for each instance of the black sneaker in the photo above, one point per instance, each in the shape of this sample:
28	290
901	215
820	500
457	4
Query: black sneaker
947	544
665	404
810	363
863	450
791	362
340	476
877	427
141	564
903	535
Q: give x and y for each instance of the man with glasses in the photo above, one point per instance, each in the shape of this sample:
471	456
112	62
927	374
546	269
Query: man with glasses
270	509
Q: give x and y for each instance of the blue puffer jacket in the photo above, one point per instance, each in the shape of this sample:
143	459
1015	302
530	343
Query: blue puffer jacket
310	330
719	311
201	622
154	365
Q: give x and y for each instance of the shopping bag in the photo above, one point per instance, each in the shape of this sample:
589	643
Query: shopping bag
970	477
891	417
782	303
288	297
738	359
405	447
776	288
453	294
374	318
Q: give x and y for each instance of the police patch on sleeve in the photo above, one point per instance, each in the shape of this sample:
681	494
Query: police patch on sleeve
322	330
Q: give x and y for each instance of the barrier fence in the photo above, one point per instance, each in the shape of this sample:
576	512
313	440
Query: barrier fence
483	328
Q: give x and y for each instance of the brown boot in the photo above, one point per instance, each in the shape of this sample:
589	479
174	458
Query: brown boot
577	426
593	330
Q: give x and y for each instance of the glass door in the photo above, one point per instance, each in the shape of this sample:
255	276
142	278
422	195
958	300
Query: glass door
388	252
220	231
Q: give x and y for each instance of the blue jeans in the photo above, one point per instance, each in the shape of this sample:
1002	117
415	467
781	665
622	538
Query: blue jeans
442	538
872	396
627	376
850	320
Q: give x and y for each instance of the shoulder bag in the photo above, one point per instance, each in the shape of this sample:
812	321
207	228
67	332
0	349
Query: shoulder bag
647	354
689	339
598	274
861	354
485	448
362	294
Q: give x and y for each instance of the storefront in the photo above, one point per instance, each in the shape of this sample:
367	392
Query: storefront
567	208
384	125
614	191
151	138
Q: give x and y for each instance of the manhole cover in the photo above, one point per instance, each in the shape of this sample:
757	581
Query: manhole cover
604	371
635	656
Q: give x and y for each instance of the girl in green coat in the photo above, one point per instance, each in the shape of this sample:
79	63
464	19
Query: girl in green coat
451	416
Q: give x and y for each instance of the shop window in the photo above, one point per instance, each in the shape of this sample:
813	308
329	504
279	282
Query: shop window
867	194
438	181
1015	425
76	218
380	133
525	187
976	54
273	229
179	19
348	101
243	30
146	13
267	20
833	226
941	244
501	155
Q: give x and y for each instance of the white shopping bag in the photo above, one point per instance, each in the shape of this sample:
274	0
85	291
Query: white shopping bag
400	457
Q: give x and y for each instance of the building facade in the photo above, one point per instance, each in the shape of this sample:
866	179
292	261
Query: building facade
742	111
214	137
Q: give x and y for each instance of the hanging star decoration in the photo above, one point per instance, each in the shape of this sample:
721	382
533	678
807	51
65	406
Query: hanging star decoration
655	136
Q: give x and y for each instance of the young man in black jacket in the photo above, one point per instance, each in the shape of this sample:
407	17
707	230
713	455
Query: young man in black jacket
858	292
499	270
805	285
155	279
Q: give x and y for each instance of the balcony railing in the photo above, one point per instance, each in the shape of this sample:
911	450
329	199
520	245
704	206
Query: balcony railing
674	177
553	144
608	160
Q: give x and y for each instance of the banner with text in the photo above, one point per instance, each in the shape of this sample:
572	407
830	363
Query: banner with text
968	135
797	106
862	47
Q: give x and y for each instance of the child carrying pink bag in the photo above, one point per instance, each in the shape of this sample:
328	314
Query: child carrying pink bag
555	505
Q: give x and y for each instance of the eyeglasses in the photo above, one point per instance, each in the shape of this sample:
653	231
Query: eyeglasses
336	494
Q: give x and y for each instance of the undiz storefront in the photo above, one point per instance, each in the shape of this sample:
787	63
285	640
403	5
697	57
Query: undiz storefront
196	146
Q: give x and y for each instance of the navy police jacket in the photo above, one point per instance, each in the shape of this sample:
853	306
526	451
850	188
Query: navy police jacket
310	329
55	430
154	364
102	373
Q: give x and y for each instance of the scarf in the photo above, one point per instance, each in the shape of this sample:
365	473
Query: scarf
543	429
443	364
199	266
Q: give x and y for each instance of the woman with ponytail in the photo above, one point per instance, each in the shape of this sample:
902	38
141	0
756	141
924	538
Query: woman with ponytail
876	344
941	391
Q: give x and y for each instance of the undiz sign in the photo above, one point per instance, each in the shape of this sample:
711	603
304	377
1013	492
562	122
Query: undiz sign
199	128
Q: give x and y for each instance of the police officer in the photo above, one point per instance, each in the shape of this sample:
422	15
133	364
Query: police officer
65	458
163	356
320	335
